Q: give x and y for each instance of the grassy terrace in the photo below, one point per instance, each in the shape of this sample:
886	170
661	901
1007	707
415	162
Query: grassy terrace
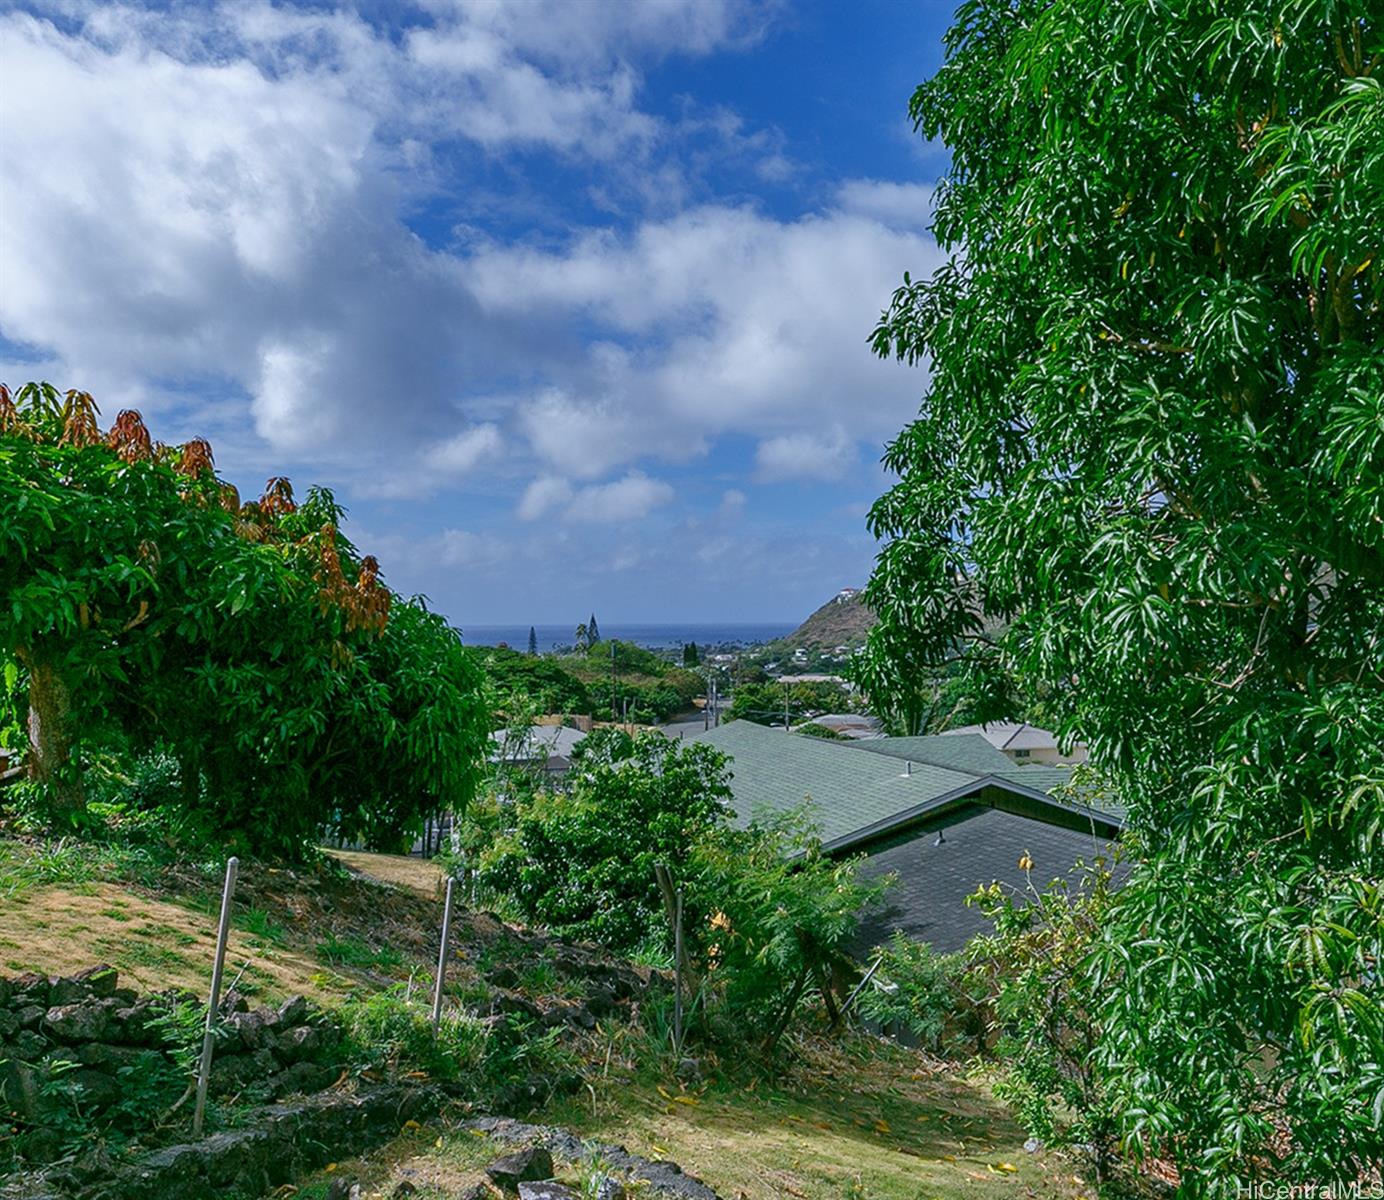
858	1120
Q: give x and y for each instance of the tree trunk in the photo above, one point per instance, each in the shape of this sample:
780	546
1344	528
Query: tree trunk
51	762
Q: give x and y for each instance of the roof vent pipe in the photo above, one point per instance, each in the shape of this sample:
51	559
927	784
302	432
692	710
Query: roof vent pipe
909	770
941	838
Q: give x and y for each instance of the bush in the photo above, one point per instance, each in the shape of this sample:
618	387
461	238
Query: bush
392	1030
922	993
583	863
771	918
1039	969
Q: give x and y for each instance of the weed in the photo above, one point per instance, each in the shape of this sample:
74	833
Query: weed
353	952
260	925
393	1029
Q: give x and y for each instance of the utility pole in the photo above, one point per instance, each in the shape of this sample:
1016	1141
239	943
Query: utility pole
785	708
614	711
706	708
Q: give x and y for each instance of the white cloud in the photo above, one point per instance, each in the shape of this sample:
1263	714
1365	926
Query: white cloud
824	456
463	453
716	321
212	222
898	205
542	496
627	499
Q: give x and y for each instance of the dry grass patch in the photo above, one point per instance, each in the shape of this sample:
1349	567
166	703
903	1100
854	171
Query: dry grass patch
153	943
417	874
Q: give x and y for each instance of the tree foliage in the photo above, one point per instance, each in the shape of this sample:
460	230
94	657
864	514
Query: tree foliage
147	608
582	862
1152	453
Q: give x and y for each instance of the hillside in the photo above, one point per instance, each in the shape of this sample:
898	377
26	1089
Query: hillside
844	620
567	1026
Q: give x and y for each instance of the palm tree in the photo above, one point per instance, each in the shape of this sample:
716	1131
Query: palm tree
583	637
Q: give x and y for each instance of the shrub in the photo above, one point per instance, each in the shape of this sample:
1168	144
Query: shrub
921	993
1038	968
392	1030
583	863
771	918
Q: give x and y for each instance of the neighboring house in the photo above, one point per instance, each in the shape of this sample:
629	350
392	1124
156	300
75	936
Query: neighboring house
850	725
946	814
1022	742
546	747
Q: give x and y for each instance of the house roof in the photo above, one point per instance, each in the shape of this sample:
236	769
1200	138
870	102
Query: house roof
537	742
859	793
970	753
1008	735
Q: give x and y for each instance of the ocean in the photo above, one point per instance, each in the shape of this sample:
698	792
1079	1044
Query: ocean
653	637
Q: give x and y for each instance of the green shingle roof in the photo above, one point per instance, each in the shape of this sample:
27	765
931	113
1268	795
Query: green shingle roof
856	791
960	752
773	771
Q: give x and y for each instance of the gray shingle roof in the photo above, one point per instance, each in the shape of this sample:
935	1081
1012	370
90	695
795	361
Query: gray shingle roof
773	771
857	793
968	752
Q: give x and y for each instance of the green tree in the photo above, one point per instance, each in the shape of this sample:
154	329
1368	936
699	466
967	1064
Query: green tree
690	657
1152	448
583	862
583	638
533	641
593	631
146	609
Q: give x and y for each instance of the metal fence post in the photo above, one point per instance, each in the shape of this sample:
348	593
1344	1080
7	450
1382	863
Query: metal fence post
442	953
677	975
208	1037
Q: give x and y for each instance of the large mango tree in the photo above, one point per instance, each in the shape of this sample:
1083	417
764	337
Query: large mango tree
143	605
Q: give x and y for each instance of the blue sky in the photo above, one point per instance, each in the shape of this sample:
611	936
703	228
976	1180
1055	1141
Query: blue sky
568	302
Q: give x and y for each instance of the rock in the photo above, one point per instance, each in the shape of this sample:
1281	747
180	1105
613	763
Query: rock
689	1069
404	1190
477	1191
338	1189
94	981
249	1027
111	1058
524	1166
98	1090
547	1190
29	1015
6	991
293	1012
601	1001
299	1043
504	977
234	1002
302	1078
84	1022
1033	1145
610	1189
232	1072
31	989
27	1045
134	1023
9	1023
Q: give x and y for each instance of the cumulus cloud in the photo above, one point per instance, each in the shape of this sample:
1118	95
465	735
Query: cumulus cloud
898	205
463	453
823	456
219	218
542	496
627	499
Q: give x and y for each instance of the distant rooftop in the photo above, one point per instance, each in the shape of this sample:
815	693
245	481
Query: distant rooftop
858	791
